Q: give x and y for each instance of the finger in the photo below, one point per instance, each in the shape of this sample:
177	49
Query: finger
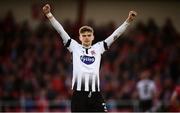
133	12
47	5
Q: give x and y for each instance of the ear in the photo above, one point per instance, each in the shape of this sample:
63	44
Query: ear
92	37
80	38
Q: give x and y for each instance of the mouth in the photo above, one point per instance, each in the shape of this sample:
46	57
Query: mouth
86	41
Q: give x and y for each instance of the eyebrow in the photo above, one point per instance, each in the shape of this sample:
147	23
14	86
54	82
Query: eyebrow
86	35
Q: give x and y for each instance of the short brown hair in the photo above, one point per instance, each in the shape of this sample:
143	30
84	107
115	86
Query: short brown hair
85	29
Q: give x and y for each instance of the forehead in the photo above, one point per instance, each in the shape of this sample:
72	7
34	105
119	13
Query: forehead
85	28
86	33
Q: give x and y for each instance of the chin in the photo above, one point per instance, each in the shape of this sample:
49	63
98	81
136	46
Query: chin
87	43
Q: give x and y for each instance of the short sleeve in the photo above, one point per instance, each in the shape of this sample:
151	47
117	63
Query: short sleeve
153	86
102	46
71	45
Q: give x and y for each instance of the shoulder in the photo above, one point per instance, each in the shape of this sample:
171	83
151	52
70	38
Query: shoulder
98	43
101	44
152	82
74	42
72	45
139	83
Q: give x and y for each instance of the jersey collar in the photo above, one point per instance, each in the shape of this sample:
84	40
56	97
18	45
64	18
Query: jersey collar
86	47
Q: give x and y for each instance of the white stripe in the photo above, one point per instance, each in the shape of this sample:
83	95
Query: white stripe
87	79
79	82
73	81
86	82
93	82
98	83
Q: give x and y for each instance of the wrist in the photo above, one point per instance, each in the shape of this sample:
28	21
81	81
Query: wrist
49	15
128	21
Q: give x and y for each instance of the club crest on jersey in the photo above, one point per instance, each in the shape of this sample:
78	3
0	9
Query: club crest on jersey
87	59
93	52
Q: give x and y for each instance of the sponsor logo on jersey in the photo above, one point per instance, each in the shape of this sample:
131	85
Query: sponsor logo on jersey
87	59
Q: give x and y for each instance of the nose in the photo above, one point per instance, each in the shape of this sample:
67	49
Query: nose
86	37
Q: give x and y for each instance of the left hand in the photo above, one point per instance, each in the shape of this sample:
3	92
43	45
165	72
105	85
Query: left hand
132	15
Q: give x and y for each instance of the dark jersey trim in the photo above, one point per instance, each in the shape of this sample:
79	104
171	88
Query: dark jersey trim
105	45
68	43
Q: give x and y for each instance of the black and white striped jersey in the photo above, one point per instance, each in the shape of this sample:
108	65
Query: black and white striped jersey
146	89
86	64
86	61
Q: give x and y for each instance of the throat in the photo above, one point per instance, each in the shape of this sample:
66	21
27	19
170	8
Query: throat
86	45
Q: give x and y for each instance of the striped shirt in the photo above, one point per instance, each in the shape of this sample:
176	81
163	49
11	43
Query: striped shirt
146	89
86	64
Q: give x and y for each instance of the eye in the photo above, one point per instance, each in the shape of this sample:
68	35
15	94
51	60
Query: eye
89	35
83	35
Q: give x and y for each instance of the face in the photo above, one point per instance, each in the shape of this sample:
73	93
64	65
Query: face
145	74
86	38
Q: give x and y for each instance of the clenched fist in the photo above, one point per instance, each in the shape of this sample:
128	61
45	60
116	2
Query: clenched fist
46	9
132	15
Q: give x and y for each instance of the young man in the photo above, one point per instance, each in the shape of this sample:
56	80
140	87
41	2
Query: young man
86	63
146	90
175	99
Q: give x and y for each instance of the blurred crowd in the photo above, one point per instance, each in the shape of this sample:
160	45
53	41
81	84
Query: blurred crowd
36	69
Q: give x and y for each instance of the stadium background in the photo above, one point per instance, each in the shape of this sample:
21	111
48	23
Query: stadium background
35	68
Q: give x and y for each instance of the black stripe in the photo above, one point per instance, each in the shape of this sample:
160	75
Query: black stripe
75	84
83	84
86	51
105	45
68	43
96	84
90	83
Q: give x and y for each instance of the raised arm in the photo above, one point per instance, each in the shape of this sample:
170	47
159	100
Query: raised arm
120	30
56	24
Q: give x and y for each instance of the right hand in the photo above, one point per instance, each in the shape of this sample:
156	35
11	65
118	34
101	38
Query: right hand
46	9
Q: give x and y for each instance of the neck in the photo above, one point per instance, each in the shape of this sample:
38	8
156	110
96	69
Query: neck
86	46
